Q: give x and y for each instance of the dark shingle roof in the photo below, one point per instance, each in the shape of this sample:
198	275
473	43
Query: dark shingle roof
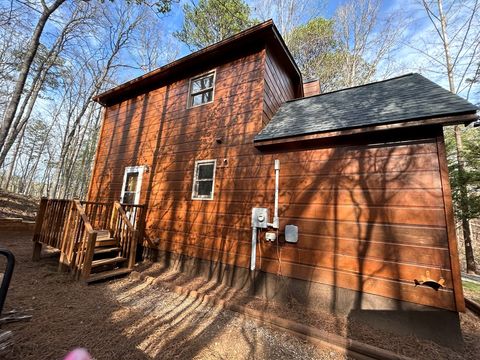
404	98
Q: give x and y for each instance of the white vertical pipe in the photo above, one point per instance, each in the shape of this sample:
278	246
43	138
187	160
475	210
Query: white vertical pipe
276	221
254	248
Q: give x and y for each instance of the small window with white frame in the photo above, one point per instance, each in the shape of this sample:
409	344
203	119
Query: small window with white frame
204	180
201	89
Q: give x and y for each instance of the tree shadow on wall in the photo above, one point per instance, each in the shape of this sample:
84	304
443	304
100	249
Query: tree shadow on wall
211	238
370	216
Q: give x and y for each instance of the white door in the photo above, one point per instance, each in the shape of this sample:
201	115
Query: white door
132	185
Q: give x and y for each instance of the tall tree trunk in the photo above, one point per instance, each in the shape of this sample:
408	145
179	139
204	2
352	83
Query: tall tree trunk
37	161
12	106
464	206
14	159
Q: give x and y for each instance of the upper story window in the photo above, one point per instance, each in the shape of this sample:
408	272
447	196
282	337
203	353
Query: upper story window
201	89
204	180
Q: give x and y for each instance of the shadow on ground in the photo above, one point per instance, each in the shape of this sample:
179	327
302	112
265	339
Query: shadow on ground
129	319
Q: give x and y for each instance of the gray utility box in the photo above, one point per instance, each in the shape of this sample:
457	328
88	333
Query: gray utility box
259	218
291	233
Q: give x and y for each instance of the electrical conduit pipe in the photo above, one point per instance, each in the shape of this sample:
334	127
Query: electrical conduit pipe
276	222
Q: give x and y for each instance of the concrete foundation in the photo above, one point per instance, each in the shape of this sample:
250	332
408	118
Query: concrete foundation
399	317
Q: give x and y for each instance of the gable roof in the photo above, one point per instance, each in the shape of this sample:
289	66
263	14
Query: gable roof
240	43
404	98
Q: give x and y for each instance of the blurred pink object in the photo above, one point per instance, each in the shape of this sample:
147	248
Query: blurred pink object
78	354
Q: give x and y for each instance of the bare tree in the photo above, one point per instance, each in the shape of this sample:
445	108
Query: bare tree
119	26
32	48
288	14
11	118
457	30
40	75
152	46
367	40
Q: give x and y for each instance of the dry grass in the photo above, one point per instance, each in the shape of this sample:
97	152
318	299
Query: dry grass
471	290
410	346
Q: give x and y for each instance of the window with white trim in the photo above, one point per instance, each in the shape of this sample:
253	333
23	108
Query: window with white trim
201	89
204	179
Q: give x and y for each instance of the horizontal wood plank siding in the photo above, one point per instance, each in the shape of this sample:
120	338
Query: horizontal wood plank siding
371	214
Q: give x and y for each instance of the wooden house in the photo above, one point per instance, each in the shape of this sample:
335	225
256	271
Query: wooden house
210	143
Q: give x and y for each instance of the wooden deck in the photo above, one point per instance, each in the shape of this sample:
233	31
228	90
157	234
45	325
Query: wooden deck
96	240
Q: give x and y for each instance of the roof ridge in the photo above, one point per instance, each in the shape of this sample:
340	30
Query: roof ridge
354	87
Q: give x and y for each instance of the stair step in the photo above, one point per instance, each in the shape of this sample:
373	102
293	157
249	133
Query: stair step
118	259
108	274
106	242
103	234
107	250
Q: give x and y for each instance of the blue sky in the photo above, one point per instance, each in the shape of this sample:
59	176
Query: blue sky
174	19
408	59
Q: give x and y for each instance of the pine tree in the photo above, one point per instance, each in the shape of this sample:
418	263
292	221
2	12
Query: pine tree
211	21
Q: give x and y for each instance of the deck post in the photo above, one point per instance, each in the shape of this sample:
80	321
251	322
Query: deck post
37	245
87	260
133	250
113	220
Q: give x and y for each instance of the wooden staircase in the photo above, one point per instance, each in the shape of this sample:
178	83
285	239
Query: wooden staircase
90	254
107	260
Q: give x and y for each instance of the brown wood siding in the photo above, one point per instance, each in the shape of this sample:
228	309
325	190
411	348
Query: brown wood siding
311	88
451	233
158	125
278	87
371	217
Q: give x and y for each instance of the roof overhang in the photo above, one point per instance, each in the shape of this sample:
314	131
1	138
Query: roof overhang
457	119
251	39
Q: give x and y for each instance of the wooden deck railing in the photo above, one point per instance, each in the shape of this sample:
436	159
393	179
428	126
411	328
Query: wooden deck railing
72	227
50	222
99	213
78	242
125	232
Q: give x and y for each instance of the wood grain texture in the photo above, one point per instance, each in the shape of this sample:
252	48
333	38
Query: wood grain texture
278	86
311	88
371	213
450	223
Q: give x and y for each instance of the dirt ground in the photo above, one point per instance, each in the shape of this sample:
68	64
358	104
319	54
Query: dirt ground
129	319
15	205
133	318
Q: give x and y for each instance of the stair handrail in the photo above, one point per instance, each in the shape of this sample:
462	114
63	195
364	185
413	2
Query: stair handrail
87	257
124	216
118	209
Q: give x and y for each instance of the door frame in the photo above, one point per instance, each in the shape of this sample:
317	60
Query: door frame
132	169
